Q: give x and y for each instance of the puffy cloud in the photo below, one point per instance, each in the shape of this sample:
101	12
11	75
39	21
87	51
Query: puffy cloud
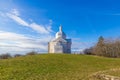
13	42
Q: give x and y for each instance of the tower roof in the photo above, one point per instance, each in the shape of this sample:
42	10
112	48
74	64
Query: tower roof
60	28
60	33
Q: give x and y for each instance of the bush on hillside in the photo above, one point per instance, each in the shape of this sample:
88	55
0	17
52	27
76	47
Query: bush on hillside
5	56
17	55
88	51
31	53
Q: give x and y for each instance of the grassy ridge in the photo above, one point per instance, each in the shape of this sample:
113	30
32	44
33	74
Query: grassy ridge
55	67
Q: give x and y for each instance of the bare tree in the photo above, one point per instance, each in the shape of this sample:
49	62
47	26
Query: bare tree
108	48
99	47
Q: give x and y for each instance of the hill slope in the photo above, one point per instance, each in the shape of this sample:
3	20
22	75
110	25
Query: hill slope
57	67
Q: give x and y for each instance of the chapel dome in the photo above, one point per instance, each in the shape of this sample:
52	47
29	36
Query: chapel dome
60	33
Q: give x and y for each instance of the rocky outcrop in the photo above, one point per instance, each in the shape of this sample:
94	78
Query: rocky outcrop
106	77
102	75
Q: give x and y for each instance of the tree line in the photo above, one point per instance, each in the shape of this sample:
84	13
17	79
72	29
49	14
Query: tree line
7	55
105	47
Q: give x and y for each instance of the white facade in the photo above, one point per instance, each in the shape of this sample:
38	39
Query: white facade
60	44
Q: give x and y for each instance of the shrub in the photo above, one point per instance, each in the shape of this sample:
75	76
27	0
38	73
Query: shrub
31	53
17	55
5	56
88	51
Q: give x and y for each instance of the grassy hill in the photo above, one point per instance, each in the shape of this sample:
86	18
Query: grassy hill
58	67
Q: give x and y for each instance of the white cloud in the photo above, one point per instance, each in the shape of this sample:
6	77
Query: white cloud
43	29
11	36
2	14
13	42
117	14
39	28
15	12
18	43
77	45
17	19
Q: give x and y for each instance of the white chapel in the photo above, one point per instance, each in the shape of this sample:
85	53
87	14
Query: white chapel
60	44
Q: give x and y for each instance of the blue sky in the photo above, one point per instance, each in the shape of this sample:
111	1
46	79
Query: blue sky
27	25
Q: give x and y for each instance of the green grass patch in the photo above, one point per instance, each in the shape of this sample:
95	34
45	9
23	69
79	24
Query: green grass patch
55	67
